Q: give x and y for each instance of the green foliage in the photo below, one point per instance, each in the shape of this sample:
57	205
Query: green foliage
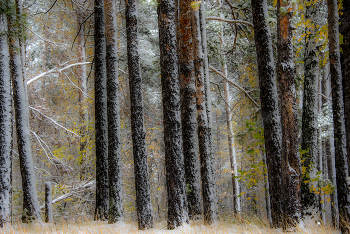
17	22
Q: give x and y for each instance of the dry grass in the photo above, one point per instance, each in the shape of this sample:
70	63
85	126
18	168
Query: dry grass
224	227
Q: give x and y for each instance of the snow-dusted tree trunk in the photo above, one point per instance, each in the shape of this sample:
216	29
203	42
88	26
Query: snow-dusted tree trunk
208	181
269	108
113	111
341	163
101	123
188	109
290	160
310	111
30	197
174	160
345	65
142	185
5	126
48	203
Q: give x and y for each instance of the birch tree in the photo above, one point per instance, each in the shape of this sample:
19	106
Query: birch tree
269	108
174	159
341	163
5	126
290	158
101	125
143	196
114	147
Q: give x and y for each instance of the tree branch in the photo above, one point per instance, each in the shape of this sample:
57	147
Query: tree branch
230	21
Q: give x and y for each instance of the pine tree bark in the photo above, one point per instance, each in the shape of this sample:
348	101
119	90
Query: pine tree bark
48	203
208	182
188	109
101	124
290	160
5	126
341	163
113	112
269	108
142	185
174	160
310	111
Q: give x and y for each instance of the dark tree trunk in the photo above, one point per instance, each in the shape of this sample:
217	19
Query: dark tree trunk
101	125
341	163
174	161
290	160
142	185
310	111
188	109
208	182
48	203
345	65
269	108
114	148
5	126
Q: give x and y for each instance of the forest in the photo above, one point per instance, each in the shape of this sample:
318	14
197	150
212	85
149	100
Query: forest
211	116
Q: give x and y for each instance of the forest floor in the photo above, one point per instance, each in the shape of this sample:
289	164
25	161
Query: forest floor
223	227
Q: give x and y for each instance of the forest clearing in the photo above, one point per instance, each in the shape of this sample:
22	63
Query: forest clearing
175	116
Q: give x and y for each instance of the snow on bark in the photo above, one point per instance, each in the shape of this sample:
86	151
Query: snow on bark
101	128
341	163
290	160
174	160
345	65
188	109
142	184
269	108
30	197
113	111
5	126
48	203
310	111
205	154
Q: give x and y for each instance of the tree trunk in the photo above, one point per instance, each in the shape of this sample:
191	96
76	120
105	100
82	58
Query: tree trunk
341	163
310	112
269	108
174	161
142	185
48	203
188	109
101	129
6	126
290	160
345	65
113	111
208	182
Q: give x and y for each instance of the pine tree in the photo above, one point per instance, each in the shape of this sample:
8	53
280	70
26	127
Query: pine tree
5	126
290	159
113	111
341	163
143	196
101	125
174	164
269	108
188	109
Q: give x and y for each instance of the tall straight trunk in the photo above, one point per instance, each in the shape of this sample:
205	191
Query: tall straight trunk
142	185
269	108
101	125
310	111
230	140
174	160
5	126
204	134
341	163
345	65
113	107
188	109
290	160
30	197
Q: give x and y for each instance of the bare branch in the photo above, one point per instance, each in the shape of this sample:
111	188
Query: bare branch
324	96
230	21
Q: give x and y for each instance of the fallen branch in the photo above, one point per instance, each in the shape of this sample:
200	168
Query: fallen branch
236	85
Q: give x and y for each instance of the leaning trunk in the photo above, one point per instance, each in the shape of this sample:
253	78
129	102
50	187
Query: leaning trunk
174	161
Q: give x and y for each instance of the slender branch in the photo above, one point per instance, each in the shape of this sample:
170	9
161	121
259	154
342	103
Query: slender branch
80	29
235	84
324	96
43	39
87	95
51	7
229	21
